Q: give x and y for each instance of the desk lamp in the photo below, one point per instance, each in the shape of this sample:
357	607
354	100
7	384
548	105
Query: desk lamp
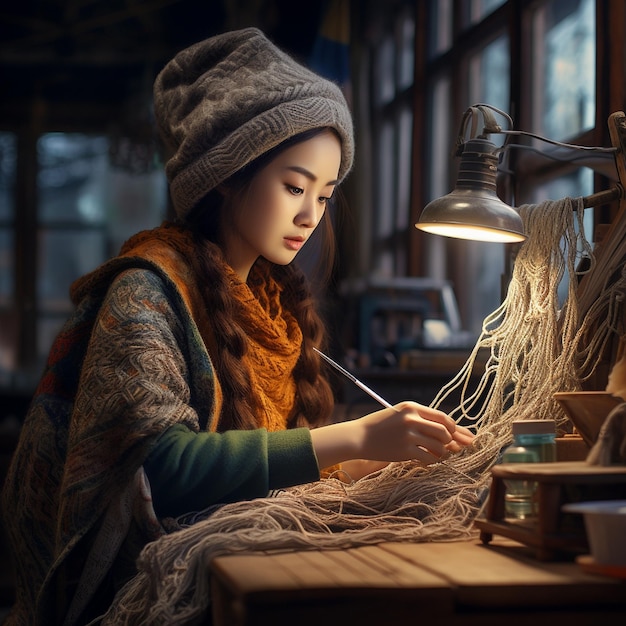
473	210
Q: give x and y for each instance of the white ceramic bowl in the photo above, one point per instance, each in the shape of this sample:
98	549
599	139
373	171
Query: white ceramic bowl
605	523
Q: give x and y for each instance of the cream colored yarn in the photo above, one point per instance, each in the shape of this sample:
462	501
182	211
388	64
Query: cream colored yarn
533	344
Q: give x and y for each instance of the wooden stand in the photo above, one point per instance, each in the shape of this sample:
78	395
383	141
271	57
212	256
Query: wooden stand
550	531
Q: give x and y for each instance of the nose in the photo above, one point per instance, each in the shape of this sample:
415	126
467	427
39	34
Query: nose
310	213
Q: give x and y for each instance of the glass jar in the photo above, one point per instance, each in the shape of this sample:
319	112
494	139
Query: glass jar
538	436
534	441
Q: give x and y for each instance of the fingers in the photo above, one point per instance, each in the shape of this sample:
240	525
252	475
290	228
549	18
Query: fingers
428	413
461	433
426	434
454	446
463	436
436	432
407	431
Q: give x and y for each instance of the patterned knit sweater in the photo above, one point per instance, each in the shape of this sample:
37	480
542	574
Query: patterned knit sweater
132	363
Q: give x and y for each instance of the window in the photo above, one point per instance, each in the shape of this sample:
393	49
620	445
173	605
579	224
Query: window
7	201
563	98
556	66
391	119
71	223
562	106
8	318
83	209
563	53
538	61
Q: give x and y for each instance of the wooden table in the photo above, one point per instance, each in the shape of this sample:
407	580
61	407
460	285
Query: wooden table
447	584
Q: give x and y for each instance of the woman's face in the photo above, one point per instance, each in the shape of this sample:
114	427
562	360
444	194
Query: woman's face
282	205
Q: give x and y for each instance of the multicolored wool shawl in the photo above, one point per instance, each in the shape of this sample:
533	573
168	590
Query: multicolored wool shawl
76	501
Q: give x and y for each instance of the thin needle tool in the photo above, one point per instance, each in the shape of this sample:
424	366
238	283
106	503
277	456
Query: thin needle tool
380	400
355	380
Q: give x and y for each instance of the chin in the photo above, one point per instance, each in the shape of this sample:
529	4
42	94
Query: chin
281	260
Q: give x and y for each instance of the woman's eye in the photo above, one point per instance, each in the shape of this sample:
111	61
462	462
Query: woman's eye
296	191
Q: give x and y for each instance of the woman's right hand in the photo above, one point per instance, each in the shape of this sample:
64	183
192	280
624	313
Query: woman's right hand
408	431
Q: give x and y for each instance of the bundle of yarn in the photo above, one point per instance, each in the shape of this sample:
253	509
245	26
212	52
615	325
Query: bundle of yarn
534	344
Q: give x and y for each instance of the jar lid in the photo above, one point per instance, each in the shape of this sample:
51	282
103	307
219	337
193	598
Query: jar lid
534	427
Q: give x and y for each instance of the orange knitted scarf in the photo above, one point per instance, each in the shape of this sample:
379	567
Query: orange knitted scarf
275	338
274	344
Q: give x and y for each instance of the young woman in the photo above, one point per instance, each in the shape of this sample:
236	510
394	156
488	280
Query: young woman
187	375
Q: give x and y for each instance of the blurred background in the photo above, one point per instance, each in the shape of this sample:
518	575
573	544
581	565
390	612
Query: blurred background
80	170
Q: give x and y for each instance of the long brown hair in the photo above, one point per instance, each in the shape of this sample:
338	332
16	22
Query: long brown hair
314	396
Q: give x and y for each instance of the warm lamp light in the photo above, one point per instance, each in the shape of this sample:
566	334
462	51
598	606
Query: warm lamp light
473	210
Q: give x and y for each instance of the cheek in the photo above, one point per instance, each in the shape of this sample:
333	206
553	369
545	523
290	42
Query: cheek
270	210
258	223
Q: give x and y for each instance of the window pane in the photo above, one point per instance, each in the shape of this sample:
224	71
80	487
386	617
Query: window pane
7	208
578	183
7	175
384	71
489	74
403	186
6	267
71	181
9	333
489	79
384	208
479	9
440	16
387	182
439	167
563	41
64	257
87	209
440	137
406	59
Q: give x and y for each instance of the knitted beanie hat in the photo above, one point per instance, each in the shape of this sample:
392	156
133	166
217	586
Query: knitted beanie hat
227	100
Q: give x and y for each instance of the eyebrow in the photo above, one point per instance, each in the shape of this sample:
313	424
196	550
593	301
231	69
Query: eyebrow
308	174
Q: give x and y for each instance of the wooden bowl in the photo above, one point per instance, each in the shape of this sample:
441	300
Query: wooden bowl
587	410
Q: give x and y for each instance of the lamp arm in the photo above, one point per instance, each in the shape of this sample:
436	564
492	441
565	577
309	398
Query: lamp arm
602	197
601	162
561	144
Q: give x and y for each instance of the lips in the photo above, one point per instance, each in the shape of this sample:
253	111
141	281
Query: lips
294	243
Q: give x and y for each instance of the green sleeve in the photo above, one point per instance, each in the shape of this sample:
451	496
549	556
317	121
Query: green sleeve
189	471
